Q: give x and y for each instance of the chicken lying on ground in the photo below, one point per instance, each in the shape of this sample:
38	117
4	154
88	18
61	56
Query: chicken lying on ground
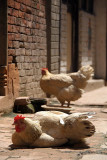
66	87
51	128
27	131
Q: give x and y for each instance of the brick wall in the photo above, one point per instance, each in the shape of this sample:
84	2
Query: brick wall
100	9
58	37
55	17
27	43
63	40
86	39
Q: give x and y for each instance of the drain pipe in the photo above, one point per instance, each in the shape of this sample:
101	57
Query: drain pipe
60	36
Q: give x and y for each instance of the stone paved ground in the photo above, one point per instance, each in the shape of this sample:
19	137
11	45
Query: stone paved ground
97	144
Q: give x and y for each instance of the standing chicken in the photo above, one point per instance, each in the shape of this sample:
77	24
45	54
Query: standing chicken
66	87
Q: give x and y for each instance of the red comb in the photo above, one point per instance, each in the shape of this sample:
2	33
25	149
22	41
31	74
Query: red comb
44	68
18	117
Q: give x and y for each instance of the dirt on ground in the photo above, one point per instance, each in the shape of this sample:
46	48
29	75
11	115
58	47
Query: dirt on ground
97	144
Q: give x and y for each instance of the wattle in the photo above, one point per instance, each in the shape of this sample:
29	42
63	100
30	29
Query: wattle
17	129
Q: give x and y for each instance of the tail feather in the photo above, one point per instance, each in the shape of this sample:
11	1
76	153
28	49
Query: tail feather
86	71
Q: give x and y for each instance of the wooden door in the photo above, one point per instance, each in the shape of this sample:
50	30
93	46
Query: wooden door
69	41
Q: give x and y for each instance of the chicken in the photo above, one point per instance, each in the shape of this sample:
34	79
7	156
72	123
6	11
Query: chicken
27	131
51	128
66	87
80	78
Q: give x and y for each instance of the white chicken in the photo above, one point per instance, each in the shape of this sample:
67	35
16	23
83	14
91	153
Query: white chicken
66	87
51	128
27	131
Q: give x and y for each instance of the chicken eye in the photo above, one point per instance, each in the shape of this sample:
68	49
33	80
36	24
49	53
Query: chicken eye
21	122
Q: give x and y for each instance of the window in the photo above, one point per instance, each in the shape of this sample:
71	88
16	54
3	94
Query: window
83	4
90	6
87	5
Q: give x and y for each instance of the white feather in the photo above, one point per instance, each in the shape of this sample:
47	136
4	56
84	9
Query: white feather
61	121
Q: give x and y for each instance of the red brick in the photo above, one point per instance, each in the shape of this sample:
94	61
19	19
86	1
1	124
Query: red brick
41	14
26	45
11	37
9	28
11	52
27	16
29	38
37	19
32	17
16	44
23	38
23	7
42	2
23	22
28	31
42	8
22	29
11	3
28	2
38	6
17	36
24	2
34	39
42	27
10	44
21	14
15	13
17	5
33	25
20	1
11	19
10	10
37	26
33	4
29	24
18	21
15	29
10	59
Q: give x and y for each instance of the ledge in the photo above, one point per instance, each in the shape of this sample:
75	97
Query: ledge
6	104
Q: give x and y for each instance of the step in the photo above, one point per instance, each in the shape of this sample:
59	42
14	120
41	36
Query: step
94	84
6	104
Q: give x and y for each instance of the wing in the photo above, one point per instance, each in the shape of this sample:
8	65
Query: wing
60	81
54	83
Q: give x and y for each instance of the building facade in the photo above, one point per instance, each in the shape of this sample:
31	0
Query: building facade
62	35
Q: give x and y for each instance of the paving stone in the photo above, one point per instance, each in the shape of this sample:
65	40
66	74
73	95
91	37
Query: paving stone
104	146
94	157
96	97
104	110
3	157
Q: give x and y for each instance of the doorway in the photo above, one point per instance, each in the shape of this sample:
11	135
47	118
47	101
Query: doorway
3	32
3	47
72	35
69	42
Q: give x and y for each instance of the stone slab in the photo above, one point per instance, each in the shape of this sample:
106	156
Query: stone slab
94	157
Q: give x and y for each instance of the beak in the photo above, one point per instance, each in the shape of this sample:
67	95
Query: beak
14	123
